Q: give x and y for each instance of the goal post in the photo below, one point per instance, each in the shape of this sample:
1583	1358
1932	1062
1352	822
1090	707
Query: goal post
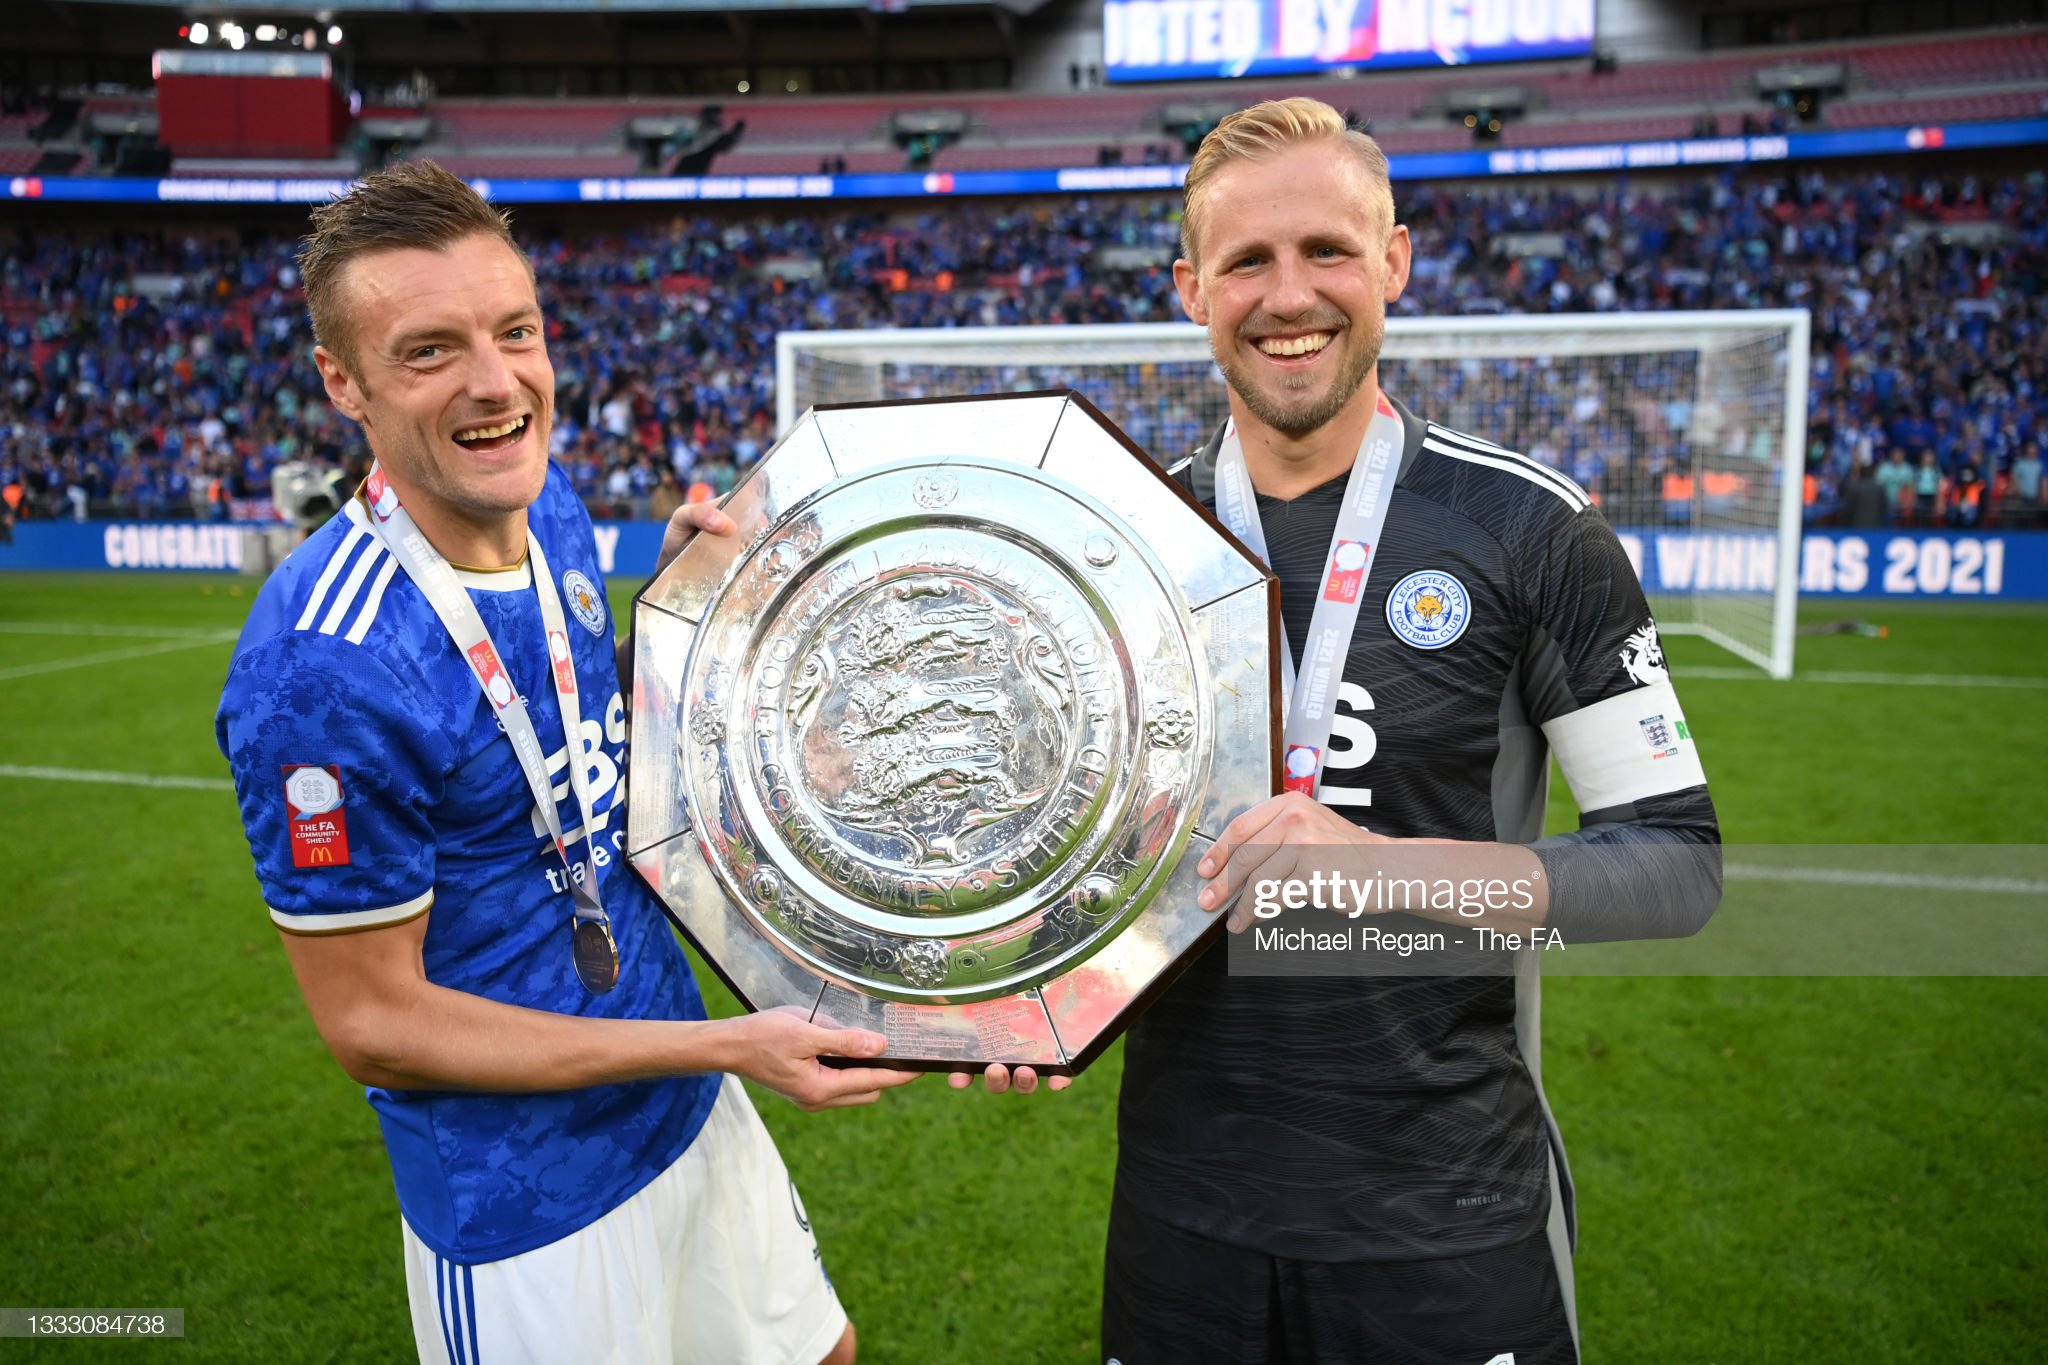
1689	428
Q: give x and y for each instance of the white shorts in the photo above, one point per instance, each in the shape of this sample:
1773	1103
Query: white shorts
712	1262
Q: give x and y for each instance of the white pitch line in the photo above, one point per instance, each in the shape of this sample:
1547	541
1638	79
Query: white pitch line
119	632
107	656
1733	871
1911	881
1895	679
207	784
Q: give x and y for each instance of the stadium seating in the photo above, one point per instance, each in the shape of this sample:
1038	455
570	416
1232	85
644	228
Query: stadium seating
1913	81
663	337
1571	132
1917	80
761	161
1568	106
334	168
981	157
681	320
571	125
500	165
1918	64
1883	113
1706	80
824	124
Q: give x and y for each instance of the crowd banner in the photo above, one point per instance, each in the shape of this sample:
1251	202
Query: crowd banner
2009	566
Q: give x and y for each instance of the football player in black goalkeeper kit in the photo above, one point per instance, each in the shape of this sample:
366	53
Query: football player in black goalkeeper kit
1365	1170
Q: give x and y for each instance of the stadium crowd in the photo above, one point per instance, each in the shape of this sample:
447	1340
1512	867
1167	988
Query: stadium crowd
153	374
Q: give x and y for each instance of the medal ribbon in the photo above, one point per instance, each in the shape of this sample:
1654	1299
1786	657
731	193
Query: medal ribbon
430	571
1311	699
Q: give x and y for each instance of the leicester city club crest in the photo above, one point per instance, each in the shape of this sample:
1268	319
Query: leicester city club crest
586	604
1429	609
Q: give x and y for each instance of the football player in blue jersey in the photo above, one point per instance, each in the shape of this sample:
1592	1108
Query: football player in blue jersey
425	724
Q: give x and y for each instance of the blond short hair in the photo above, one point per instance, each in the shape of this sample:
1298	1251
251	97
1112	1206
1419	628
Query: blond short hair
413	204
1268	129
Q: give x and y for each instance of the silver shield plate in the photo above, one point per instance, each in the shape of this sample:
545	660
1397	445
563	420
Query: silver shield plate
926	745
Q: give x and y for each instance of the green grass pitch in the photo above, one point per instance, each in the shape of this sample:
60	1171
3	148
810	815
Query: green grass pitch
1772	1169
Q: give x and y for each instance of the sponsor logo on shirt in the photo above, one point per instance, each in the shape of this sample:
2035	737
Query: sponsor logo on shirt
1642	656
599	750
314	819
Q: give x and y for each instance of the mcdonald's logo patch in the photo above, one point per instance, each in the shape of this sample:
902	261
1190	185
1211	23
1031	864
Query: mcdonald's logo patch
1298	772
565	666
314	817
1347	571
483	661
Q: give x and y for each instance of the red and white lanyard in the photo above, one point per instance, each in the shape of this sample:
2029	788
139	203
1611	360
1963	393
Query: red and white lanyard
591	940
1311	699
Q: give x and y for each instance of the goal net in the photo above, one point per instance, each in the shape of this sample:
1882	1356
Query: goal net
1687	428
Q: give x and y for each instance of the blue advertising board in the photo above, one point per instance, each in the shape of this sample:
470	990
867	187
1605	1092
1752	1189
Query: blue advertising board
1661	153
2009	566
1185	40
203	546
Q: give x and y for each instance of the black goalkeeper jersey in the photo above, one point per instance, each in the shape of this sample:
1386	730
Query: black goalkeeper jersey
1403	1118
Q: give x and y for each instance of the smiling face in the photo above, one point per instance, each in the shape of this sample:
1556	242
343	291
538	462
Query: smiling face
1293	283
450	381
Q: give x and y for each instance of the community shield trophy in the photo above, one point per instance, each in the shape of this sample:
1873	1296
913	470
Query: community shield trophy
932	746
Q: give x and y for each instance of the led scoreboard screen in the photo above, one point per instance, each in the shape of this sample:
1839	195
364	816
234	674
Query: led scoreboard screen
1163	40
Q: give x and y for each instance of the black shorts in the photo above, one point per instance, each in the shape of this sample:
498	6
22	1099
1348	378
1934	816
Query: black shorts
1172	1298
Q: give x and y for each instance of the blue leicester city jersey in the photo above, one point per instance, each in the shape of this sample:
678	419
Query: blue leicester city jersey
376	785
